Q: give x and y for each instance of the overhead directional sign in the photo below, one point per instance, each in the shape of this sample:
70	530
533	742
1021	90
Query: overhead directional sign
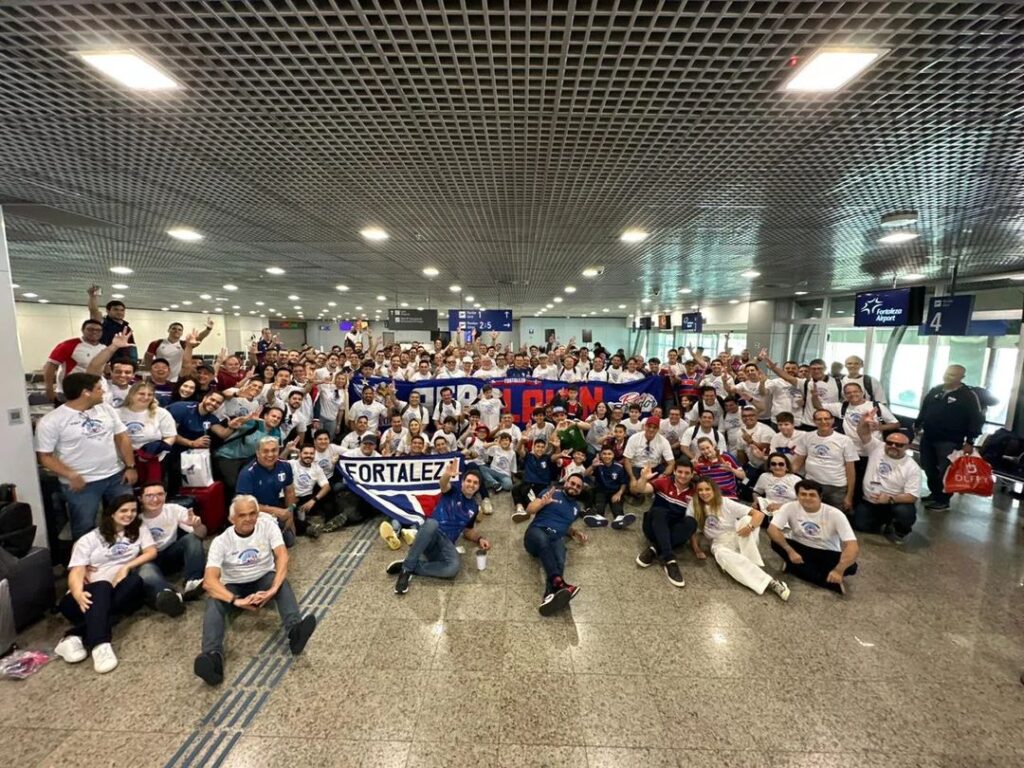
948	316
412	319
484	320
692	322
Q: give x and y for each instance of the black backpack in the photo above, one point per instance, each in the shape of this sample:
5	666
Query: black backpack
846	406
17	531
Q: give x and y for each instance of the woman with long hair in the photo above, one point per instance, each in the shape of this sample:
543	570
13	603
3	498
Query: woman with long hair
103	584
186	390
599	427
719	467
733	528
777	486
151	430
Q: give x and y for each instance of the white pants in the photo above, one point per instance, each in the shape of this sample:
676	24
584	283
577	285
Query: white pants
739	557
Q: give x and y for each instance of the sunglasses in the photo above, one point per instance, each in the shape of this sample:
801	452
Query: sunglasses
892	444
777	464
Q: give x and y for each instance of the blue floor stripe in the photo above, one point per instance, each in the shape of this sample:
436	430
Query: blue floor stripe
219	730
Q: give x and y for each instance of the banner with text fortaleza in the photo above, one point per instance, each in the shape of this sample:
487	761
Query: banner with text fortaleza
405	488
521	396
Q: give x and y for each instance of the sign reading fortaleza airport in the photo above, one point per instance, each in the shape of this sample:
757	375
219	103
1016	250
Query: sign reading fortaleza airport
889	309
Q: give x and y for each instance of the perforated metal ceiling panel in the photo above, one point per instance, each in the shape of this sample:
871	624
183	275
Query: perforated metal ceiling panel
508	148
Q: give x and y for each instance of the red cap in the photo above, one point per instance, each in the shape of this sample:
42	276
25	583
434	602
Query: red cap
653	421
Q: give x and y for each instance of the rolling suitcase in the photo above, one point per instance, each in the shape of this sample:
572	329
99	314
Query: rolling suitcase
211	506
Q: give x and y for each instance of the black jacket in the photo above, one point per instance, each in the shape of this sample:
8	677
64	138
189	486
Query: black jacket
950	415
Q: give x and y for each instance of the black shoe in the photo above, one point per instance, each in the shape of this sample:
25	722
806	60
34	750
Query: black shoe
313	530
336	523
169	603
674	574
647	558
299	635
209	667
402	584
936	506
574	590
554	602
394	567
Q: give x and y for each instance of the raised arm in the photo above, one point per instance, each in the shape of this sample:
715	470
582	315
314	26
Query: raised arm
777	370
94	309
120	341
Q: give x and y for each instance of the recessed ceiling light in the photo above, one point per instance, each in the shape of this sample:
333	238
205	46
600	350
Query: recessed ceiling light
420	308
454	288
633	236
165	309
235	306
645	301
799	293
431	271
374	233
404	304
470	298
898	237
570	289
605	309
840	311
830	69
557	299
341	288
186	234
259	303
220	298
230	287
218	309
817	309
237	314
274	271
750	274
332	303
382	298
174	306
550	306
899	219
130	69
912	276
297	306
122	270
293	297
115	286
734	301
686	290
622	306
44	301
592	271
30	295
359	308
252	311
187	303
205	296
477	305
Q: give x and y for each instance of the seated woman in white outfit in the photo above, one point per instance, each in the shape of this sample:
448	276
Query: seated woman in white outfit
732	528
775	487
103	584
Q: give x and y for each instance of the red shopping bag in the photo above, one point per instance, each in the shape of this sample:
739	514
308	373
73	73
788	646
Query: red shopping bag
968	474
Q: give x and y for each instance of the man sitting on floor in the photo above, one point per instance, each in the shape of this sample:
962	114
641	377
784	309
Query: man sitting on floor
553	515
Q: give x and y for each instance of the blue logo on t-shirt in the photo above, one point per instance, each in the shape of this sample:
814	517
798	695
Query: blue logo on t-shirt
810	528
157	533
884	469
821	450
92	427
248	556
134	427
119	548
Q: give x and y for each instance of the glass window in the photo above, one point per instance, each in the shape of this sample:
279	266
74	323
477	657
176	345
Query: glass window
841	306
991	362
806	309
806	341
843	342
905	379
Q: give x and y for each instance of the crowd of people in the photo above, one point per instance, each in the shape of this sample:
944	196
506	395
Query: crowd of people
737	445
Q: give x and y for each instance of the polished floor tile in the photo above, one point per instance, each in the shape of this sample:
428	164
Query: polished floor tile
917	666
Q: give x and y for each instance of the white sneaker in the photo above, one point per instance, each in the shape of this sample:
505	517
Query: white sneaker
103	658
70	649
781	589
460	549
408	536
193	589
520	514
487	507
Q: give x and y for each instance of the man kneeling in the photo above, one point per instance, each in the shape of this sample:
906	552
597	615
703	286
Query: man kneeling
432	552
820	546
246	568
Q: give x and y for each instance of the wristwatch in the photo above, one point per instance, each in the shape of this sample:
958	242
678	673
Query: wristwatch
129	466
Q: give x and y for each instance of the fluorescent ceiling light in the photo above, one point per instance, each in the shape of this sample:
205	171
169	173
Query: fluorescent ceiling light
184	233
404	304
686	290
230	287
130	69
374	233
606	310
274	271
30	295
341	288
165	309
122	270
235	306
218	309
570	289
117	295
898	237
734	301
359	308
187	303
633	236
332	303
44	301
1017	277
750	274
431	271
115	286
420	308
912	276
831	68
259	303
549	306
295	307
799	293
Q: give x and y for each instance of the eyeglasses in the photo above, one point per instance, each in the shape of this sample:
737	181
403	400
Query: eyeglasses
776	464
154	495
893	444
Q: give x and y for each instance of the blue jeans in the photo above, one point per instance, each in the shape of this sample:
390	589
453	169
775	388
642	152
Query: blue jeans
432	553
186	552
548	546
84	505
493	478
217	610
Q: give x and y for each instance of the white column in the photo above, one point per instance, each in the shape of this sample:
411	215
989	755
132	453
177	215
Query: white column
17	457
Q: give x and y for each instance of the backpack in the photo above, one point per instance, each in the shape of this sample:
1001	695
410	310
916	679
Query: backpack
869	387
1004	450
714	431
17	531
846	406
839	387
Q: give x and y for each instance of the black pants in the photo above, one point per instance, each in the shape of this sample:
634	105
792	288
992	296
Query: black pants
603	499
109	603
816	565
227	471
935	462
667	529
521	492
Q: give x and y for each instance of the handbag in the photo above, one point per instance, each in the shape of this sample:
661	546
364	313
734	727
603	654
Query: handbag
968	473
196	468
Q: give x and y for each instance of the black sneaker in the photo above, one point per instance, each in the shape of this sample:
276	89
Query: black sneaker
647	558
574	590
402	585
394	567
209	667
169	603
336	523
554	602
594	520
674	574
313	530
299	635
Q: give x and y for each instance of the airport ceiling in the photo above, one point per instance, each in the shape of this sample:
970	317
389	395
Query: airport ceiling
508	145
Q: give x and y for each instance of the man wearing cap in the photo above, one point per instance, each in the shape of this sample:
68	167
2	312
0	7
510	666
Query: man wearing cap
649	448
367	448
544	369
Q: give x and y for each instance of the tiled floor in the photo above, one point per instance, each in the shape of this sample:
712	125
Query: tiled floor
918	666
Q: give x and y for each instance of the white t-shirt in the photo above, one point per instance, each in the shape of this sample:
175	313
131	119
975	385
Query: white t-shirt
890	476
785	398
418	412
759	433
146	426
642	453
164	527
487	373
777	490
696	433
826	529
83	440
490	411
396	440
443	410
450	437
114	395
852	419
294	420
502	461
173	353
351	440
724	520
598	431
718	382
601	375
237	406
328	459
877	390
614	374
827	457
307	478
373	413
694	415
828	392
673	432
750	392
632	427
787	445
332	400
243	559
628	377
93	551
513	431
548	372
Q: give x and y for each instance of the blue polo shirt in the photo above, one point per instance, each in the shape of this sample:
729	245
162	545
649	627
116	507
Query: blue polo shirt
609	478
558	515
266	485
191	423
455	513
538	471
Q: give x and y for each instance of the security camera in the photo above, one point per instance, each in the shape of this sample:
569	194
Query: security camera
656	292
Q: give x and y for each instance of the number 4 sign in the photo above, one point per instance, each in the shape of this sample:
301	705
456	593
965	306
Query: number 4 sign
948	316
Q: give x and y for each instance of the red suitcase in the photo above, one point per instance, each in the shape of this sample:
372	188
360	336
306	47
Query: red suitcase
211	506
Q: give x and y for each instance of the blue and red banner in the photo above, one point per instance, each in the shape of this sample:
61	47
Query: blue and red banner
521	396
405	488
